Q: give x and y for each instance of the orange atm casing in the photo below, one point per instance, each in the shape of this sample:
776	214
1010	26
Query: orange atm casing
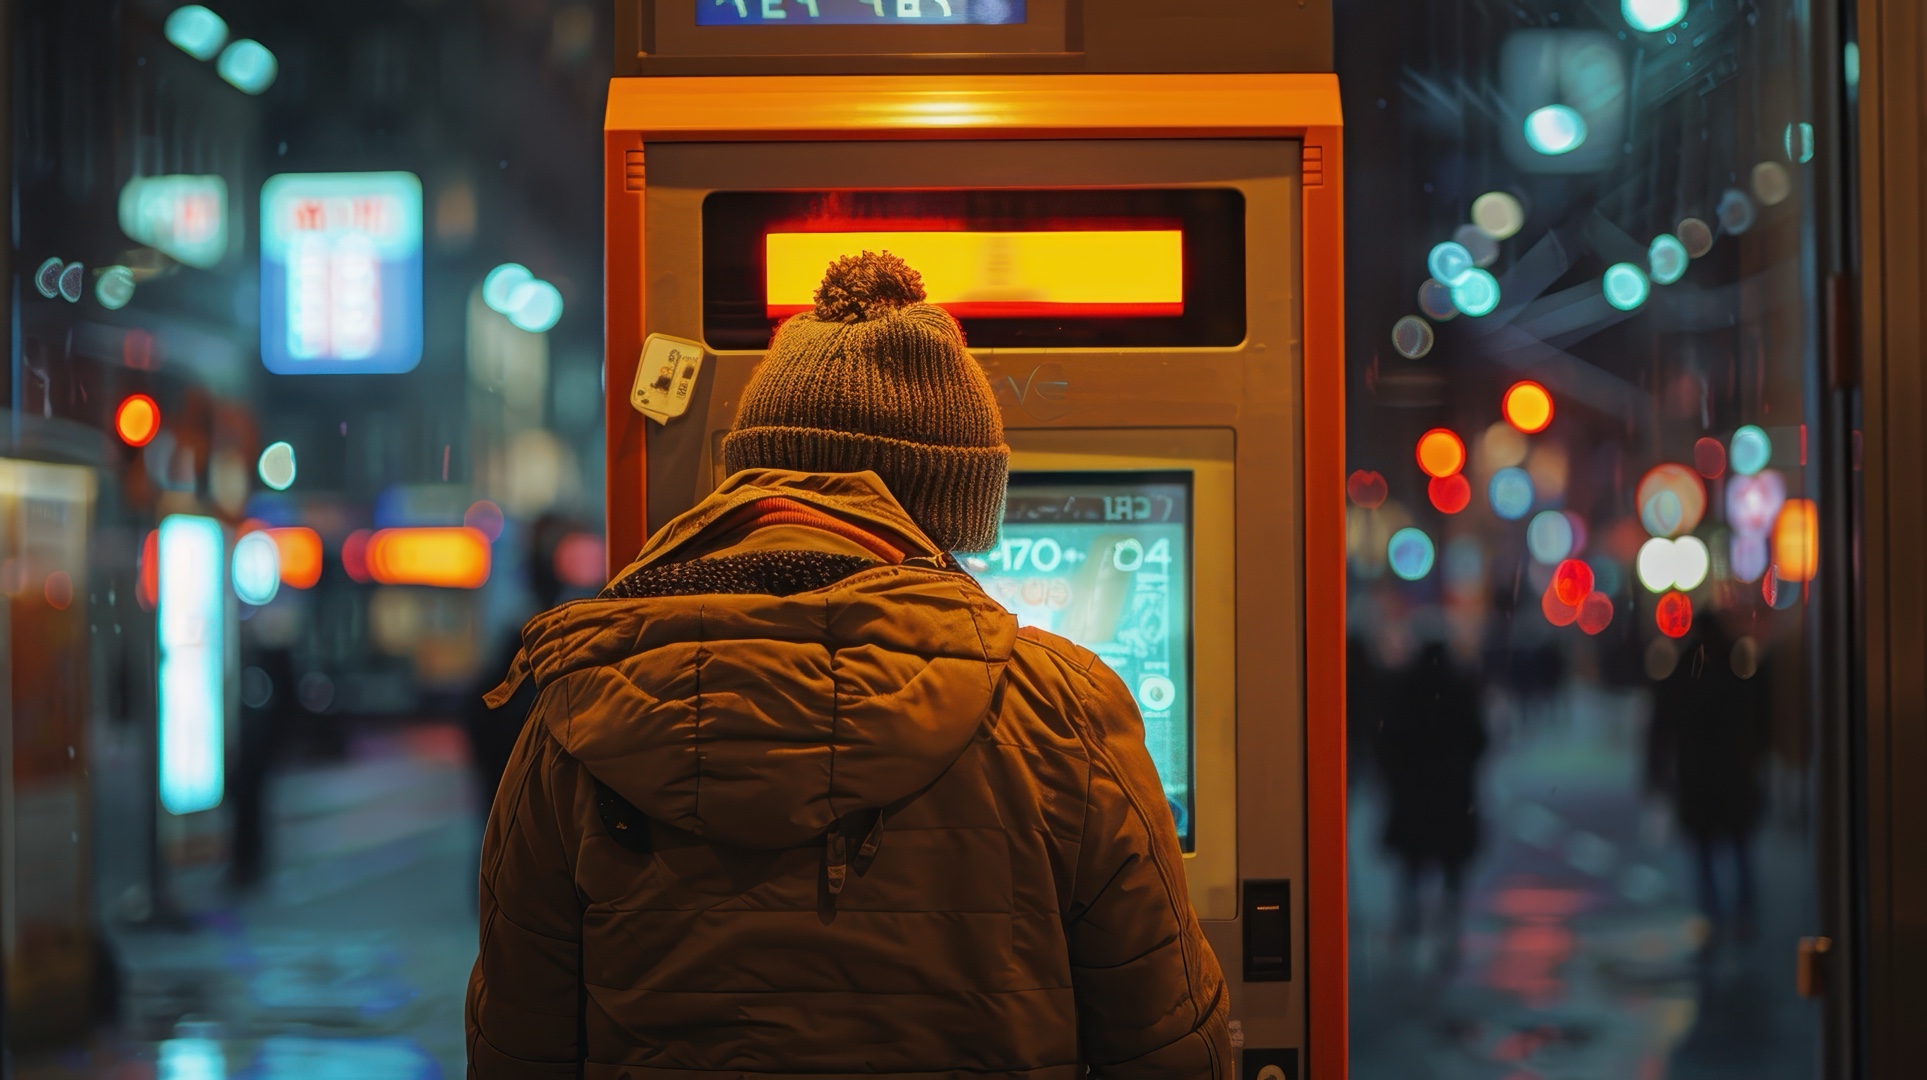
1218	106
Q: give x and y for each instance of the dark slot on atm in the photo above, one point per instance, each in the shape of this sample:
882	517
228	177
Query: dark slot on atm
1267	927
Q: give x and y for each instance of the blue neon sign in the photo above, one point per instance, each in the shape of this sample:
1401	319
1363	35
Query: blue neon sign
341	273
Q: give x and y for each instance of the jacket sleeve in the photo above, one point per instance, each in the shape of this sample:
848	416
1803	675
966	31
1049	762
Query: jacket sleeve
524	1011
1151	1001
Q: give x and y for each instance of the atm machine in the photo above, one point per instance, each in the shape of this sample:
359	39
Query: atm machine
1135	210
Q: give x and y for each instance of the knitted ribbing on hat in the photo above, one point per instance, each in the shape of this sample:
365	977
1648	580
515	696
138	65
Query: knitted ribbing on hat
873	378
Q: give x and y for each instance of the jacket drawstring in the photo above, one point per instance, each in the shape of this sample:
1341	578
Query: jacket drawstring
836	853
518	671
838	856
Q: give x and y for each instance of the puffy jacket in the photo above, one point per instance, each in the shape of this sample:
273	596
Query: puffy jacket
868	828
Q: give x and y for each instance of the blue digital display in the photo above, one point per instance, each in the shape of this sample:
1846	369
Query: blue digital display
859	12
1104	560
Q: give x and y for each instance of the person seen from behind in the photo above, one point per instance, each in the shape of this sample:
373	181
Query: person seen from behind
797	797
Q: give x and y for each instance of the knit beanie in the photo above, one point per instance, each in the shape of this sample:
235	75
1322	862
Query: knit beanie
874	378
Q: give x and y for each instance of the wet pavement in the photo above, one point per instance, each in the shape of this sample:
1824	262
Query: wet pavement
351	959
1583	953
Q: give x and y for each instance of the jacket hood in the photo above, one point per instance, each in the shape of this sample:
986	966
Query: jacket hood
757	720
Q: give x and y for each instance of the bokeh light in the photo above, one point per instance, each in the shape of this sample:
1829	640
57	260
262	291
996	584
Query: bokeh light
257	568
1441	452
300	549
1753	502
1484	249
1435	300
1572	581
276	466
1671	499
1555	130
137	420
1412	337
1796	541
581	561
1651	16
1595	613
1751	450
195	31
1499	214
1450	494
1410	553
1735	212
535	306
1691	561
1477	293
1771	183
1748	557
1549	537
248	66
1449	262
354	555
1366	488
484	517
1674	615
1697	235
1709	458
1625	286
1557	611
1510	493
502	282
1799	142
1778	594
1528	407
1666	259
1502	445
115	288
1655	565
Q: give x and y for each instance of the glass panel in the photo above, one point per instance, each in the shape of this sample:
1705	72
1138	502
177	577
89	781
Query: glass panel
1582	331
285	466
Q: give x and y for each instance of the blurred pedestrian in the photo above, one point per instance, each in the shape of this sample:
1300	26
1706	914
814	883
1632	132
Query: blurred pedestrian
1706	755
492	732
1430	741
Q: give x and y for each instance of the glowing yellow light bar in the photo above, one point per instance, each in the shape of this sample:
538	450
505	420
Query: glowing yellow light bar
1000	274
456	558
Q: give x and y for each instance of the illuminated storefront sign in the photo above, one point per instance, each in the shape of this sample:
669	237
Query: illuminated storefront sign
341	273
1000	274
858	12
183	217
193	623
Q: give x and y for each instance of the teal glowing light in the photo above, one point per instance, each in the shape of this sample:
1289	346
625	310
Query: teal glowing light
535	306
196	31
1477	293
501	282
248	66
115	287
1450	262
1511	493
1799	142
257	568
1667	259
1625	286
1555	130
1750	450
1851	64
192	623
1652	16
1549	537
1411	554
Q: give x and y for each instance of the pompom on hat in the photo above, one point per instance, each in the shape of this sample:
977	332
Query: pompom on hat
875	378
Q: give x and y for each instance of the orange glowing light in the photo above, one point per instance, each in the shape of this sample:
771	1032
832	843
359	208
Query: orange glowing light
451	558
58	589
1441	453
137	420
999	274
1674	614
1528	407
1796	541
148	592
300	556
1450	494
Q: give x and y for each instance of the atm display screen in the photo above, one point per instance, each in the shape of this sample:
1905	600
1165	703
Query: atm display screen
1104	559
859	12
1071	268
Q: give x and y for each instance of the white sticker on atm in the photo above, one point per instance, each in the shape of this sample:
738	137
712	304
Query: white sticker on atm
666	377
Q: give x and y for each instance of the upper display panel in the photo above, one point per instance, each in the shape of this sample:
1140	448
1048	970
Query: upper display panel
859	12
